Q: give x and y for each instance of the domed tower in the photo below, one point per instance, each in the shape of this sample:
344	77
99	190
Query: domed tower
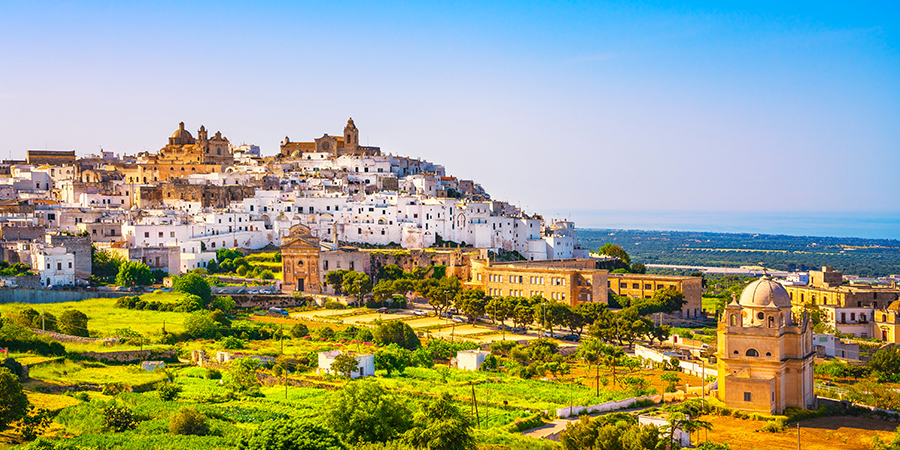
181	136
765	355
351	137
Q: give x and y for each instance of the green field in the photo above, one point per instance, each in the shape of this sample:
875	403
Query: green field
105	318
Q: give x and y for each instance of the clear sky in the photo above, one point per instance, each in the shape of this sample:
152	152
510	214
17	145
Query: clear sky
556	106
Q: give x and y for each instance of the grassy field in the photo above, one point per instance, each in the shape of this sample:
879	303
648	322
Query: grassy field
824	433
74	372
105	318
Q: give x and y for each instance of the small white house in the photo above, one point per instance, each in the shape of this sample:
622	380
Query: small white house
835	347
470	359
683	438
55	266
365	368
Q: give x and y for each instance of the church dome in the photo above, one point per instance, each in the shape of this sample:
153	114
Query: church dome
182	133
764	291
895	306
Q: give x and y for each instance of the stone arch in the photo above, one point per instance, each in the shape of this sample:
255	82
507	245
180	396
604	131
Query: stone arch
752	352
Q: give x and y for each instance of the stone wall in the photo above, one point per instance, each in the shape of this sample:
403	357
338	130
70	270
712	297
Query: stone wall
128	356
266	301
47	296
74	339
457	262
23	282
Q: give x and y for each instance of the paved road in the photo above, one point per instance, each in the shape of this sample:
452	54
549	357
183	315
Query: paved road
559	425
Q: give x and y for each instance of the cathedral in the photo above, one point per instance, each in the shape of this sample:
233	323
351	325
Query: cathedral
184	149
765	355
335	146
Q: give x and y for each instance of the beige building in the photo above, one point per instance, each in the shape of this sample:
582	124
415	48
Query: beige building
300	261
849	309
348	144
644	286
570	281
765	356
887	323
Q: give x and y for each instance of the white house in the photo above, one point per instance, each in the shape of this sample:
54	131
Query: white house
365	368
835	347
56	267
683	438
470	359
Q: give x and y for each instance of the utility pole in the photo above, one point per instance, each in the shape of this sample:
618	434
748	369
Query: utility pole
43	320
798	435
475	405
281	332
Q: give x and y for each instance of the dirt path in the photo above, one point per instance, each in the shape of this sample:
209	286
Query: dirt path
824	433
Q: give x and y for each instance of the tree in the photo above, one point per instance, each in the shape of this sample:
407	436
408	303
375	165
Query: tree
105	265
345	363
118	418
356	284
441	426
335	279
390	272
660	333
290	434
638	268
500	309
550	314
199	325
670	300
392	358
672	378
365	412
574	320
241	376
523	314
224	303
471	302
683	422
886	361
74	323
616	252
383	291
610	356
396	332
299	330
134	273
193	283
189	421
13	401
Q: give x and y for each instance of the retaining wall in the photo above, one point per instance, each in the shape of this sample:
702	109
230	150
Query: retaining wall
47	296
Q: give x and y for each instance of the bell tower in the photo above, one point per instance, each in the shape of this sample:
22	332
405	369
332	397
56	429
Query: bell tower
351	137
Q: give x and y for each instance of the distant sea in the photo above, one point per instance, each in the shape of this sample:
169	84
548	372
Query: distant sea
849	224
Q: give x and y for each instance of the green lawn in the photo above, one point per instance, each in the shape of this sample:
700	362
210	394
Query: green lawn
104	317
73	372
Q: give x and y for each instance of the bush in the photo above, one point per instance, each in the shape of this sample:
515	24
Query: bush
774	426
331	304
189	421
396	332
134	273
73	322
224	303
232	343
14	402
299	330
325	333
168	391
193	283
287	434
213	374
118	418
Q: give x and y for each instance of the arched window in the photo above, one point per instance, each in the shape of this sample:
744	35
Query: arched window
752	352
732	320
768	354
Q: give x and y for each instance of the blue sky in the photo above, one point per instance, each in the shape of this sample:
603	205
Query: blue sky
559	107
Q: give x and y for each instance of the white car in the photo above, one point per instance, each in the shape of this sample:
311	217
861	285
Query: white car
420	312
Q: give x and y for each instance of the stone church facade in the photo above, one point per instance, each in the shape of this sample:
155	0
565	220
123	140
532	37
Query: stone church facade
765	356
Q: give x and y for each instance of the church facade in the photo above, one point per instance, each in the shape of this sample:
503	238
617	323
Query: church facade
765	355
334	146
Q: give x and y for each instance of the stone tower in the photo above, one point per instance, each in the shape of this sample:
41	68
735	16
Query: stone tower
351	137
765	357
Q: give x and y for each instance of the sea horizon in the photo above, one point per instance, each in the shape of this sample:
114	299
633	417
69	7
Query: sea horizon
868	225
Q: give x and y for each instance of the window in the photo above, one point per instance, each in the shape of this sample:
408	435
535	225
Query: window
752	352
171	234
635	286
648	286
146	234
160	234
70	265
732	321
746	396
58	266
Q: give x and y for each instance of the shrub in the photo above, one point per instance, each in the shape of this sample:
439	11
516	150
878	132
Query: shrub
287	434
267	275
118	418
168	391
325	333
14	402
232	343
331	304
774	426
193	283
33	423
299	330
224	303
213	374
73	322
189	421
112	389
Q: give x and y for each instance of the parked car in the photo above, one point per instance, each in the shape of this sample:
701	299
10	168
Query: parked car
381	310
570	338
518	329
460	319
420	312
446	315
548	334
